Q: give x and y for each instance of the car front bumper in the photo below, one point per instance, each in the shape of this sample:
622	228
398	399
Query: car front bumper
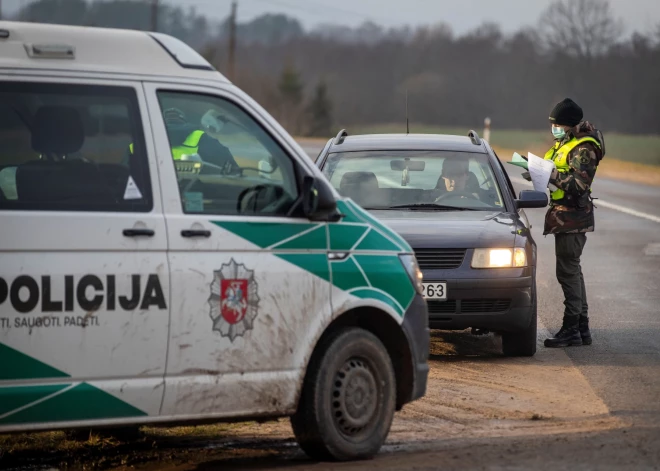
495	304
416	327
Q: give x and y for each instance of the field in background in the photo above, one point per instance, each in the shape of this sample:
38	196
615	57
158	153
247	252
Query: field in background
625	147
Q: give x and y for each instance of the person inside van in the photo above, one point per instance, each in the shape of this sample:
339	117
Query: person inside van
187	139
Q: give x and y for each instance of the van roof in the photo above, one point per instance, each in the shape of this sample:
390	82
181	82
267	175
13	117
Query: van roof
40	46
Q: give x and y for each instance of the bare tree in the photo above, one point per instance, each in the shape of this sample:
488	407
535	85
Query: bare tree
581	28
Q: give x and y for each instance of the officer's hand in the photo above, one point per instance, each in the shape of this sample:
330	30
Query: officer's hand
527	176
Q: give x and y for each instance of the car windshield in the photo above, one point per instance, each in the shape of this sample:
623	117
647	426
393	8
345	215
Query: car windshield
415	180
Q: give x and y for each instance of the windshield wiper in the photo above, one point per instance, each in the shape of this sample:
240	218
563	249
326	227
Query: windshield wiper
431	206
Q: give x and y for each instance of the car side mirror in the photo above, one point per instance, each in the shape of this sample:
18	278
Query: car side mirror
318	201
532	199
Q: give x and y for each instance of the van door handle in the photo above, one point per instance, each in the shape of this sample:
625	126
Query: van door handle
195	233
139	232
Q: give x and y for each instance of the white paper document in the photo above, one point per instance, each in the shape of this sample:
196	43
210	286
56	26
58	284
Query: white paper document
539	170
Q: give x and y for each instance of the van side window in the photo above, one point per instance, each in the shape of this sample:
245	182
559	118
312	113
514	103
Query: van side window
70	147
226	163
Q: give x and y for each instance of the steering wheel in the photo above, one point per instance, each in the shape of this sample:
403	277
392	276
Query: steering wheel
465	194
253	192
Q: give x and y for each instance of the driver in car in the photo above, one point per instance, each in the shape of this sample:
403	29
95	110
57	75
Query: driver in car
455	180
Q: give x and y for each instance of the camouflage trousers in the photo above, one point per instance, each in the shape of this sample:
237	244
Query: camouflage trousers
568	250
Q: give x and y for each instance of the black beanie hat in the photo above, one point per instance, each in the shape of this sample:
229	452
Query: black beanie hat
566	113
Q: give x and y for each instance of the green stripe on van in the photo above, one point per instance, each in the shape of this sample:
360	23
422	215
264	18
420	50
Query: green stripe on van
264	234
346	274
349	206
376	241
316	239
15	397
16	365
345	236
369	293
386	273
316	264
82	402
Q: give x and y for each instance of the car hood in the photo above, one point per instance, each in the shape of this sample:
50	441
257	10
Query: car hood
452	229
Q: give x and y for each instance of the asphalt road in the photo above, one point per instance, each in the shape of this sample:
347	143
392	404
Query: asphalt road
621	266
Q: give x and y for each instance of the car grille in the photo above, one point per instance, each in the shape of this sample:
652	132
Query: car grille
439	259
485	305
468	306
441	307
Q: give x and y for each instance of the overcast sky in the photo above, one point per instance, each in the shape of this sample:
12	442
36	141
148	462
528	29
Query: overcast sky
462	15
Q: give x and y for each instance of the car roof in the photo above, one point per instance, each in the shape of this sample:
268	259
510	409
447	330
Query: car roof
38	46
446	142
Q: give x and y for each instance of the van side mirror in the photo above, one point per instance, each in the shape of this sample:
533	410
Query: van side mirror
532	199
310	196
318	201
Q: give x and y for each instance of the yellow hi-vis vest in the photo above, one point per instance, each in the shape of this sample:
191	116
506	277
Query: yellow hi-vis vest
559	155
190	145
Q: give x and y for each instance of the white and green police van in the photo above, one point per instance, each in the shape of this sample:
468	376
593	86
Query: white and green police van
168	254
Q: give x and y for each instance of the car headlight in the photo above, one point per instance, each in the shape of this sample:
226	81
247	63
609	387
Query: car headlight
410	264
499	258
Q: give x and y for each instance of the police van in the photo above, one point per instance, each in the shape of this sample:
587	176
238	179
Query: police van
169	254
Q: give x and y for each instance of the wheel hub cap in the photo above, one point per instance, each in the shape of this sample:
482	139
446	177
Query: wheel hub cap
354	397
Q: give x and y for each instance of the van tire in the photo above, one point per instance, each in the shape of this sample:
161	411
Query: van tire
352	361
522	344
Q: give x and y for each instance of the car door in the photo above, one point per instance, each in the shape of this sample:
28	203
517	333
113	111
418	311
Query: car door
250	291
84	283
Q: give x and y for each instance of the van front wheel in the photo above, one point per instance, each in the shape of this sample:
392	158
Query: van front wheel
348	398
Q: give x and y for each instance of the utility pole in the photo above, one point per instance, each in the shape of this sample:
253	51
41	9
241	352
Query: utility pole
232	42
154	15
487	129
0	9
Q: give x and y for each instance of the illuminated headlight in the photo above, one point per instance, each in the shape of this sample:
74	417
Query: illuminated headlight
499	258
410	264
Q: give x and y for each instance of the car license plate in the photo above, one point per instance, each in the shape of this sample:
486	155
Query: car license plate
435	290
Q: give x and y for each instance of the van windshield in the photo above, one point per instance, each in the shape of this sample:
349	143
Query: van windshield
415	179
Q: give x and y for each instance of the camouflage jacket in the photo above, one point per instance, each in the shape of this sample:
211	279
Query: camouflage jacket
575	213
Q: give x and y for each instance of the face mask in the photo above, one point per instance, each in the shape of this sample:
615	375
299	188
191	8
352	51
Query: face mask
558	132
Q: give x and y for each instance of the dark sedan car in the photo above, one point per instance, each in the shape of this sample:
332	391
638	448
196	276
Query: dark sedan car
451	199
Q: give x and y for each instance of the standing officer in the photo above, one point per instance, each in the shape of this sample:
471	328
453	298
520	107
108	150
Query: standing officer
577	151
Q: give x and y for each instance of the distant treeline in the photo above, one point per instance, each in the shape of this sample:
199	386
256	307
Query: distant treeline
362	75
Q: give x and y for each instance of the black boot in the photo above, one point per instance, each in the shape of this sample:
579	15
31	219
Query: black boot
584	330
568	335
